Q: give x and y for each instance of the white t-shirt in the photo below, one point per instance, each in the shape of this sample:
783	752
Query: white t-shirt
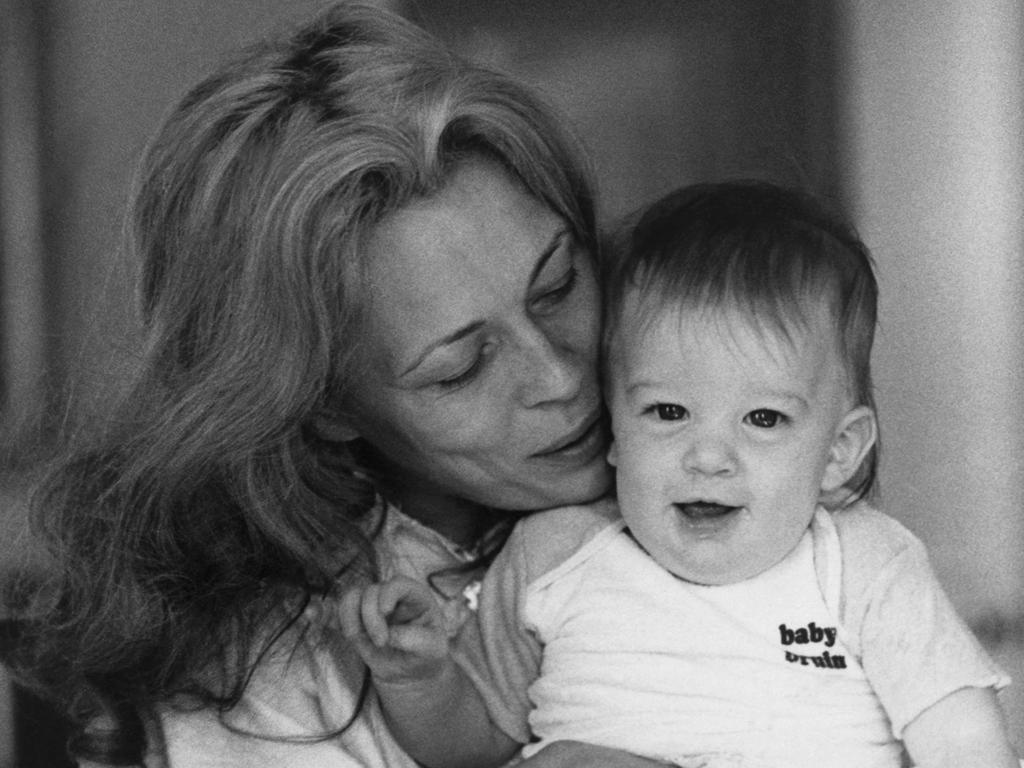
821	660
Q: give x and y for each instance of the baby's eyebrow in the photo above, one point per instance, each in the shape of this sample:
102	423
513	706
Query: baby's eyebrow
641	384
774	394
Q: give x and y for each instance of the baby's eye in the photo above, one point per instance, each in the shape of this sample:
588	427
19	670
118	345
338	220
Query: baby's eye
670	411
765	418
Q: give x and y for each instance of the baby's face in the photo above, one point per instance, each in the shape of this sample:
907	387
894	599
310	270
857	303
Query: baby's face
723	432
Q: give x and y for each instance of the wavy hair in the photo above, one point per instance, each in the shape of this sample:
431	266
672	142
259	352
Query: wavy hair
187	535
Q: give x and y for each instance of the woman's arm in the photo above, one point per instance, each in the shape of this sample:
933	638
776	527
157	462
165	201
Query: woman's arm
962	730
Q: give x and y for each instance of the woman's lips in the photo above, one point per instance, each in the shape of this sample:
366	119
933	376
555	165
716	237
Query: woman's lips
583	443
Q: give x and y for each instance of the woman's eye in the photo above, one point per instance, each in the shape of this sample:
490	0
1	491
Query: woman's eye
670	411
562	288
765	418
464	376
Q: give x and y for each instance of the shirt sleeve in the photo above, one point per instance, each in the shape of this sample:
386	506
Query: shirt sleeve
915	648
497	651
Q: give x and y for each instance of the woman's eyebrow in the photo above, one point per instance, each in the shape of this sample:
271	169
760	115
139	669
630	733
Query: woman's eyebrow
449	339
556	241
553	245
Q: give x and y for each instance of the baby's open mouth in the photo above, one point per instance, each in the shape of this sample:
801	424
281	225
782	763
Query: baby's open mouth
703	510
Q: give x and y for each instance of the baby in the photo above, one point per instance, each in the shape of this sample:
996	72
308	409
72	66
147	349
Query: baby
740	604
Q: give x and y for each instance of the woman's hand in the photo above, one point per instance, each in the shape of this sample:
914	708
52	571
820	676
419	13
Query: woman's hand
575	754
397	628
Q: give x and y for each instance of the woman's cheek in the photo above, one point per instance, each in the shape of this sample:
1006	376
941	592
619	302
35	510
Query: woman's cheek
472	419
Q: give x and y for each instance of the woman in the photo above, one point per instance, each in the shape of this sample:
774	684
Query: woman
371	322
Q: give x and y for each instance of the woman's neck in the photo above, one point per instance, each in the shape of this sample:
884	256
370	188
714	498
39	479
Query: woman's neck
458	520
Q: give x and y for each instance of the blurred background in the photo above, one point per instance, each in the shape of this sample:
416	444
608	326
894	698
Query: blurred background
909	116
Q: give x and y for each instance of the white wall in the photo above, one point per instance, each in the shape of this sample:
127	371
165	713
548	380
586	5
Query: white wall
934	122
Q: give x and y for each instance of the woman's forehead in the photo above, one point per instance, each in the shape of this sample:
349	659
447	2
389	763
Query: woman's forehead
455	258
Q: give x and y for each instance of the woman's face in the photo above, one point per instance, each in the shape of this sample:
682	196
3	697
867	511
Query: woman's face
483	344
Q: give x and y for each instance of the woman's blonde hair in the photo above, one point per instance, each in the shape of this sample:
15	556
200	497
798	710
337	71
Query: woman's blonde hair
211	499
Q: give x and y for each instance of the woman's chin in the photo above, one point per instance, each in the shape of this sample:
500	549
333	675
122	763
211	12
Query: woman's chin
586	484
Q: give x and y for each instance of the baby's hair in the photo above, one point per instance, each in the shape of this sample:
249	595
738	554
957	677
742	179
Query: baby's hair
768	251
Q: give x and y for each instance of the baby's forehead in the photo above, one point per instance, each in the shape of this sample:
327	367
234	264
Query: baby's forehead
794	338
790	319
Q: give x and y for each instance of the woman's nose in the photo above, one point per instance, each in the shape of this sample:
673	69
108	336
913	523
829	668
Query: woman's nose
552	371
711	455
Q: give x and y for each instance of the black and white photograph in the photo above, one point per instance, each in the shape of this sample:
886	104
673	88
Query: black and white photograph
491	383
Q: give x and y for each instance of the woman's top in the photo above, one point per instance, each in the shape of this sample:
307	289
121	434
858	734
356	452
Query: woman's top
308	691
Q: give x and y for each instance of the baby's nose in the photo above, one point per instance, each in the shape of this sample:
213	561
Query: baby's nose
711	456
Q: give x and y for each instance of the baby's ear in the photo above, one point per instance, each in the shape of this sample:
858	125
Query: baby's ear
854	437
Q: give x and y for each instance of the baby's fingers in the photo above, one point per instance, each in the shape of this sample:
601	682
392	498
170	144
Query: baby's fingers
349	613
359	618
404	601
374	616
424	642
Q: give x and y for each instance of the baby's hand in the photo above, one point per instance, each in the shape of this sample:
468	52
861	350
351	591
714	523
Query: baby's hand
397	627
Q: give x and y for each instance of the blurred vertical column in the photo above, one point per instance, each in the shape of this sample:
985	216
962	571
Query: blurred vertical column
22	318
933	114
